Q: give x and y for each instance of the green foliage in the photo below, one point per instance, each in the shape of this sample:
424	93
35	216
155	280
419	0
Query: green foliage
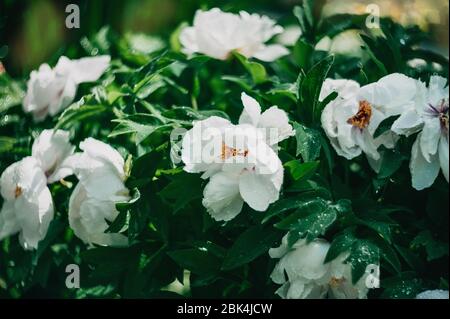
151	89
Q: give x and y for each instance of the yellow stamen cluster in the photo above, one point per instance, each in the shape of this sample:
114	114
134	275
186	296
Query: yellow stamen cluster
228	152
336	282
17	192
362	119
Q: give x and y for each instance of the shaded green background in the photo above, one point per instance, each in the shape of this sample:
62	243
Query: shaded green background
33	31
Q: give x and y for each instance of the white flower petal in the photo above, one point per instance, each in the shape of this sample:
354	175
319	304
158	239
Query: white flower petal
88	216
8	221
217	34
392	94
366	142
433	294
103	184
26	175
271	53
221	197
298	290
429	138
34	217
423	172
276	119
408	123
346	89
103	152
280	251
258	191
443	155
50	149
201	144
88	69
437	89
252	111
64	97
188	40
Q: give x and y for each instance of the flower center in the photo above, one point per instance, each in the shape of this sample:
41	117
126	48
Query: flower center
336	282
18	192
441	111
228	152
362	119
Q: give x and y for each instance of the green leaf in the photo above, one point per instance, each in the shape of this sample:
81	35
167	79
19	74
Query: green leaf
79	112
301	171
108	255
175	37
308	142
55	229
379	222
388	254
6	144
336	24
11	93
391	162
96	292
341	244
144	169
142	125
385	126
305	16
435	249
413	260
303	53
310	88
281	206
244	83
402	288
256	70
363	253
199	261
248	246
370	45
122	220
183	189
310	220
322	104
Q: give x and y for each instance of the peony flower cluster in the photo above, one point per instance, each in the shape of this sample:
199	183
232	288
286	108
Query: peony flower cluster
350	121
240	161
303	273
28	207
49	91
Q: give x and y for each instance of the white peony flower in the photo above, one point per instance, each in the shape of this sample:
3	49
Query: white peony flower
100	170
217	34
240	160
433	294
301	270
429	115
340	281
303	275
50	150
351	120
51	90
28	206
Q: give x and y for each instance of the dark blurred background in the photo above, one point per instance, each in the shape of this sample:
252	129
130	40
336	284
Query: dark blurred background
33	31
